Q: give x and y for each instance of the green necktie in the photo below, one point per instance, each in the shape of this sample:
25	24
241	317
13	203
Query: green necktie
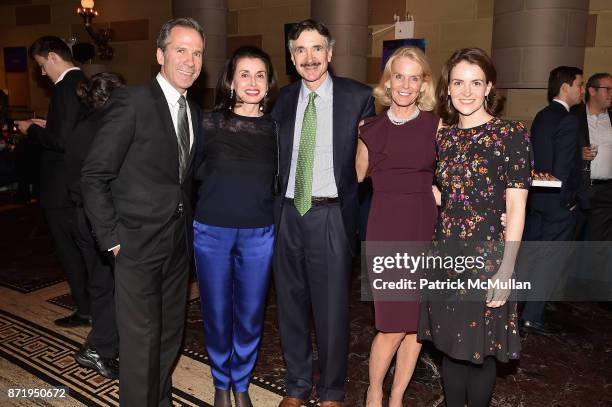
303	174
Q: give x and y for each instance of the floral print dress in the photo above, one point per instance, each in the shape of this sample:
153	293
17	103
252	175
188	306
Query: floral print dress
475	166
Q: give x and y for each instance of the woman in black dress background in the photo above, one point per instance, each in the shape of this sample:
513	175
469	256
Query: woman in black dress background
99	352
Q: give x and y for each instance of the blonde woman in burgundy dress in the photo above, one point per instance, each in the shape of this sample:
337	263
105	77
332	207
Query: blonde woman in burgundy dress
397	149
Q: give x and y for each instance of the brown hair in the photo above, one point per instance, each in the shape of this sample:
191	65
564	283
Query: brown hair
95	91
494	103
184	22
49	43
427	98
309	25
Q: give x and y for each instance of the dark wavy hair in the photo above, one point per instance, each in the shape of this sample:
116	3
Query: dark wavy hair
49	43
495	102
95	91
224	99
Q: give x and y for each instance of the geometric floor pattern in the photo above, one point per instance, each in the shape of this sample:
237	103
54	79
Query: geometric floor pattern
48	355
65	301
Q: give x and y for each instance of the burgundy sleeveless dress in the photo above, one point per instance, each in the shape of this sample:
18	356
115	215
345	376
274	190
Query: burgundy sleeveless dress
402	162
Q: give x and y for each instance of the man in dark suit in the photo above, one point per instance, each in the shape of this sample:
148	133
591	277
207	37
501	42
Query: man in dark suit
596	127
552	212
54	58
318	214
136	186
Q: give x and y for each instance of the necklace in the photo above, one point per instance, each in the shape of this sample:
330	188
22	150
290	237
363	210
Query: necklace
397	121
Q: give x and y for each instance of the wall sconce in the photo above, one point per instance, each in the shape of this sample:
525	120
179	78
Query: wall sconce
101	38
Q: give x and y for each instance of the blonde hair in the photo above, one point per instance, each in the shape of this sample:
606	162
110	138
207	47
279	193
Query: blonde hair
426	99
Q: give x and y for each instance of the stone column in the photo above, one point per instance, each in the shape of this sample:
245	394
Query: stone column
531	37
348	23
212	15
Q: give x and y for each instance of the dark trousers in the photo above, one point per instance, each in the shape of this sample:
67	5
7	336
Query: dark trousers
312	268
600	215
468	383
60	221
150	297
547	226
103	336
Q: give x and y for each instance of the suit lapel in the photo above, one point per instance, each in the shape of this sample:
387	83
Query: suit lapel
287	132
340	117
163	111
195	127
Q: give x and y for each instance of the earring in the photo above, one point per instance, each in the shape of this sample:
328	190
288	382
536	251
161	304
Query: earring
388	92
448	103
231	99
486	102
261	107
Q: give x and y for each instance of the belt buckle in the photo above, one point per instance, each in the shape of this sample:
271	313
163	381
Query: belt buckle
315	201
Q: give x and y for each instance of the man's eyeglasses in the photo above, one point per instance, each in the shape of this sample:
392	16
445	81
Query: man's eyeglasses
607	88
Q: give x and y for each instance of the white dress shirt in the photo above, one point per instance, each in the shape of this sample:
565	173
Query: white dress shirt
600	134
74	68
172	96
565	105
323	179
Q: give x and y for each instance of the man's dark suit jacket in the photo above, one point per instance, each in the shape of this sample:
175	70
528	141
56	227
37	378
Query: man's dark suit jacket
555	138
78	144
62	117
352	102
130	180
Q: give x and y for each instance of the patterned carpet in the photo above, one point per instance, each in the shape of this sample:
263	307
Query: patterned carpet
48	355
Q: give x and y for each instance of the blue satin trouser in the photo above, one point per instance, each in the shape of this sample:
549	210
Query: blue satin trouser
233	267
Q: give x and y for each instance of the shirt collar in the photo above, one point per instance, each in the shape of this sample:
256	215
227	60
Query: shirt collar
594	114
565	105
172	95
74	68
325	91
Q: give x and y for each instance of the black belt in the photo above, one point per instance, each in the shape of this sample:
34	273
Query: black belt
179	211
601	181
319	201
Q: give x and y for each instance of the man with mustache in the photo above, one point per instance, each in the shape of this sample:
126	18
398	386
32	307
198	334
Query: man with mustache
136	184
317	215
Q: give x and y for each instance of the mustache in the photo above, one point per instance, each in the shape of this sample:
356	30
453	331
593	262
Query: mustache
310	64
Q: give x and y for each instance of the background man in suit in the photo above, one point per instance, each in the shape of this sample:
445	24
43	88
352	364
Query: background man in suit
551	214
136	185
595	121
317	218
54	58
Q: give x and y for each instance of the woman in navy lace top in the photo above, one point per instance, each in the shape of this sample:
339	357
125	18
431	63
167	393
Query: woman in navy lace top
234	226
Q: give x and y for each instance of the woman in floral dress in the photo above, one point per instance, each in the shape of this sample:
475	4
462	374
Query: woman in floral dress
483	171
